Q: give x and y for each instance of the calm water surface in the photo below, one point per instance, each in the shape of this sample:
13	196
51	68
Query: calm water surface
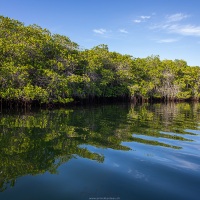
117	152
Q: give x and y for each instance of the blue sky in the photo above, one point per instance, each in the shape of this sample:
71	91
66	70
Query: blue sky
168	28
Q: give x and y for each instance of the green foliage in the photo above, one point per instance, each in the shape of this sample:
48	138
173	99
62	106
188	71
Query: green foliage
36	65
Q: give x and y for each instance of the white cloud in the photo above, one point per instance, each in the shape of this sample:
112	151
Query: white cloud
186	30
176	17
100	31
173	24
189	30
145	17
123	31
141	18
168	40
137	21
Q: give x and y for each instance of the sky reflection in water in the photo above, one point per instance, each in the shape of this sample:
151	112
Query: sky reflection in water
119	151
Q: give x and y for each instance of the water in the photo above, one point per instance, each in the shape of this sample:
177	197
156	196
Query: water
103	152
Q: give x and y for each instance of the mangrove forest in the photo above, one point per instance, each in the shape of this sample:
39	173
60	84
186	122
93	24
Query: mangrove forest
37	66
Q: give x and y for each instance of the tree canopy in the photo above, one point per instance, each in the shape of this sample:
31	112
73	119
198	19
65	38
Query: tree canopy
36	65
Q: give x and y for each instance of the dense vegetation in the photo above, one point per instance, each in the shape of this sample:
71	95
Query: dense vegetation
37	66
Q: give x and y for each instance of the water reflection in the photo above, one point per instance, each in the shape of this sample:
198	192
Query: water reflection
37	142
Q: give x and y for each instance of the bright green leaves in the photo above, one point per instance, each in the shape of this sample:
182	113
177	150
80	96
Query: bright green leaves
165	79
38	66
34	64
31	92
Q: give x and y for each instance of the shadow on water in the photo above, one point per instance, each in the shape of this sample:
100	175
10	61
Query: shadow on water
37	142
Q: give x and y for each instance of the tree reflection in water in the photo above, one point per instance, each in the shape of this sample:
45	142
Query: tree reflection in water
37	142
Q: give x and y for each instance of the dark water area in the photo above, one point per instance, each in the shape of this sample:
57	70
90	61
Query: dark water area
117	152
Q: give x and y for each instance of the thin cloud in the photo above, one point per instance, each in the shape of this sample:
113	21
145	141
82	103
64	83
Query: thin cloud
173	24
176	17
145	17
104	33
168	40
141	18
137	21
187	30
100	31
123	31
